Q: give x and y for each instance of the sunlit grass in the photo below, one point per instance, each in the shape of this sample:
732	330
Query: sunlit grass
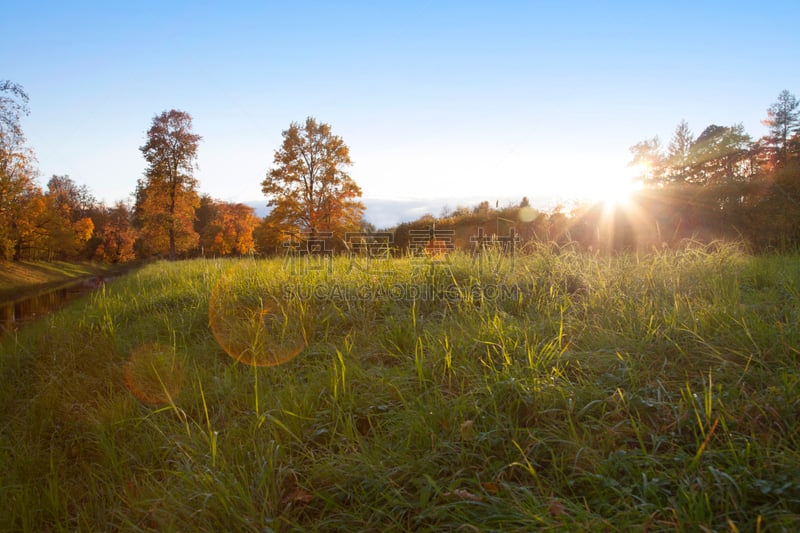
558	390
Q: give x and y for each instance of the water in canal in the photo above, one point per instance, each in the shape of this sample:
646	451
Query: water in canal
14	315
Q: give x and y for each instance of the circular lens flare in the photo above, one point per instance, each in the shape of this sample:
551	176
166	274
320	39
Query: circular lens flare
253	325
154	374
527	214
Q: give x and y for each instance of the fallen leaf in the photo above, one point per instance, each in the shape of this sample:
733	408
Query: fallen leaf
490	487
556	508
298	495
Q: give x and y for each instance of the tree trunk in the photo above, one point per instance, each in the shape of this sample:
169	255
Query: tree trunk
172	195
172	243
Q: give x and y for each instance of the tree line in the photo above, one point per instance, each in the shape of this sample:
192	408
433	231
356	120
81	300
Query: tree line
307	188
721	184
63	220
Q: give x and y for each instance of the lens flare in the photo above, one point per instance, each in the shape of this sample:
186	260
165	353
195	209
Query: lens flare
154	374
527	214
252	323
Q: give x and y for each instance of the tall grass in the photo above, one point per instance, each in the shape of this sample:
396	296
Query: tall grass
555	390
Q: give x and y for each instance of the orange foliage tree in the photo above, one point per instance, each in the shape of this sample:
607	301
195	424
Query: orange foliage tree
117	236
31	228
67	222
18	191
229	230
167	197
309	188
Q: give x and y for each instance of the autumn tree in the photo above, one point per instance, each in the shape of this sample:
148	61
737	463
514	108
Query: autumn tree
117	236
76	201
67	221
31	227
18	190
166	198
205	213
269	236
309	188
229	230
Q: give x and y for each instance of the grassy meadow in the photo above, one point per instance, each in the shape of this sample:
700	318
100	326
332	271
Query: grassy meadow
554	390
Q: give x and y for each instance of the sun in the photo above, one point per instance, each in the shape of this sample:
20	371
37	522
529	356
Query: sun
618	189
619	193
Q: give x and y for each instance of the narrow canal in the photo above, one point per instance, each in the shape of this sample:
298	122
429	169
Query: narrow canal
14	315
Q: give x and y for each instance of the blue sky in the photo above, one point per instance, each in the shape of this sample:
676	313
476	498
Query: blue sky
435	99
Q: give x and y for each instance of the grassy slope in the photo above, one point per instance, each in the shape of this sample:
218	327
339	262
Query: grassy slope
18	279
658	392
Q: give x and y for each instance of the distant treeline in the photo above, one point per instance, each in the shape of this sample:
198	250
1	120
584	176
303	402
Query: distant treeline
722	184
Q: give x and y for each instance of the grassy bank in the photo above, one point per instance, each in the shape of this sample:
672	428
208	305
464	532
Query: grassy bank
23	278
554	391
